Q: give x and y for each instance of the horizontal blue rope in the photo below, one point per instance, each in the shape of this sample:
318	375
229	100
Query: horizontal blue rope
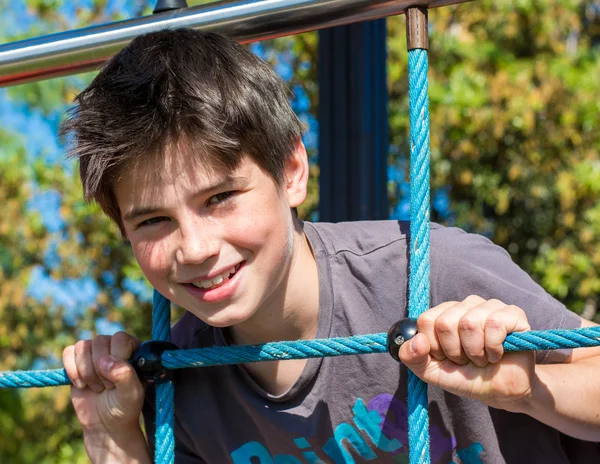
359	344
32	379
303	349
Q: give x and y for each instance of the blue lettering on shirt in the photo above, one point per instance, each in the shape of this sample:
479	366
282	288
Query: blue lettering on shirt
382	425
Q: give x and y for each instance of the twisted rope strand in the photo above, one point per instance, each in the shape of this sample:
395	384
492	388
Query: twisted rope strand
418	282
303	349
164	436
34	379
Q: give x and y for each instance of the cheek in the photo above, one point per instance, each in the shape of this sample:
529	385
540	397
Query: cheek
268	229
152	257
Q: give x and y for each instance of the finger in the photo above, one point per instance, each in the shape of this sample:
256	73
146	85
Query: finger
68	359
130	392
471	330
85	365
100	348
415	355
498	325
446	329
444	374
123	345
426	326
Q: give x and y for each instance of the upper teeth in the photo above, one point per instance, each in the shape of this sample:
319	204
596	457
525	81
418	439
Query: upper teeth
218	280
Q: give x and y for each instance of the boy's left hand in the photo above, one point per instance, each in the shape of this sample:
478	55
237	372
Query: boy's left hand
459	349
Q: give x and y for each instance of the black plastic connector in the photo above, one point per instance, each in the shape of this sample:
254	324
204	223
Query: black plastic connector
147	361
399	333
168	5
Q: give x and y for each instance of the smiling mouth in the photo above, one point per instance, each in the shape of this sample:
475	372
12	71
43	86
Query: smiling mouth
217	281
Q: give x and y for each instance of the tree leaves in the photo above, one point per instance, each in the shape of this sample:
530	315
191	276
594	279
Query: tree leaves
515	132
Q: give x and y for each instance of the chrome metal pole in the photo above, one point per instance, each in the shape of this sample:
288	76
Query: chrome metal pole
243	20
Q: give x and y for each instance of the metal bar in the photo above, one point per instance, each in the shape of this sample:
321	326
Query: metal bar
85	49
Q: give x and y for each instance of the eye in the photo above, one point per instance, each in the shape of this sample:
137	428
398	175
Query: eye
152	221
219	198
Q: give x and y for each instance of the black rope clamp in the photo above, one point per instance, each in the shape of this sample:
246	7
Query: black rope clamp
168	5
147	361
401	332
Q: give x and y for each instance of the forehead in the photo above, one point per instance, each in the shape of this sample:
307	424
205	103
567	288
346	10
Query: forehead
180	167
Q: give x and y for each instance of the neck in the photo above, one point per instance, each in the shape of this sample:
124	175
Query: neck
292	312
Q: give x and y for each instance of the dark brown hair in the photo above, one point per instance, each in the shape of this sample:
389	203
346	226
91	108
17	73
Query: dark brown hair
179	84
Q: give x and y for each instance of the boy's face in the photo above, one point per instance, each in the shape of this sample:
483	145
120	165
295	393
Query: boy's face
220	244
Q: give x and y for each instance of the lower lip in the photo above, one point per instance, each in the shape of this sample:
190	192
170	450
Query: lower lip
220	293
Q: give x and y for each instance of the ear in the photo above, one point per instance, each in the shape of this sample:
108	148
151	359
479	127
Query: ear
296	175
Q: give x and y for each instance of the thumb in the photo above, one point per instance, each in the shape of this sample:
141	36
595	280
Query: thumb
121	373
415	355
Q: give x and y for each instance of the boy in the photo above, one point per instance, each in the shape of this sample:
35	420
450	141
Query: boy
187	141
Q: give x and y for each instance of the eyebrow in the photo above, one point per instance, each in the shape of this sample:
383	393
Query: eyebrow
136	213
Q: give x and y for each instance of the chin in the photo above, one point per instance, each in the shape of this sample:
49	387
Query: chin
227	318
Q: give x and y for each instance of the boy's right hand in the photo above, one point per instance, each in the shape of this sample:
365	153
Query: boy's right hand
107	394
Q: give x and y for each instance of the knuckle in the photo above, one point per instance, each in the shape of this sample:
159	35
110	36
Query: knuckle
68	350
81	347
473	299
516	310
121	339
123	345
101	340
426	321
121	336
494	322
443	325
468	323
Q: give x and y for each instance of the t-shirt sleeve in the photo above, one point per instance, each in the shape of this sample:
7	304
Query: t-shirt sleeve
467	264
183	453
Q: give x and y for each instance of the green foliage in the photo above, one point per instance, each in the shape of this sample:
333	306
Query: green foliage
38	425
515	132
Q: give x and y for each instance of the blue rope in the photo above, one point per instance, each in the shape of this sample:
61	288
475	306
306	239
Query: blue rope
164	436
418	283
359	344
304	349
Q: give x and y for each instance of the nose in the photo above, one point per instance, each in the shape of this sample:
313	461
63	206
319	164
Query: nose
198	242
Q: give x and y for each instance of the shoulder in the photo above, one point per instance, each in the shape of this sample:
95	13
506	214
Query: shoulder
358	237
191	332
462	260
454	244
363	237
459	256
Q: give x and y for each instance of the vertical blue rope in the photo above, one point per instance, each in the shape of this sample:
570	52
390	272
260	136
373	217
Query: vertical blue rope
418	285
418	420
164	436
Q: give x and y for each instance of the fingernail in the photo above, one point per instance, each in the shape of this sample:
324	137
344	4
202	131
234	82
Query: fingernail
106	364
79	384
412	346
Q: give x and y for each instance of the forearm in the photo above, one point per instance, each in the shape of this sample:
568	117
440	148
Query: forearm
567	398
128	447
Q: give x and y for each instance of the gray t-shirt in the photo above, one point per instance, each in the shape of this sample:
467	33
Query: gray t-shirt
353	408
